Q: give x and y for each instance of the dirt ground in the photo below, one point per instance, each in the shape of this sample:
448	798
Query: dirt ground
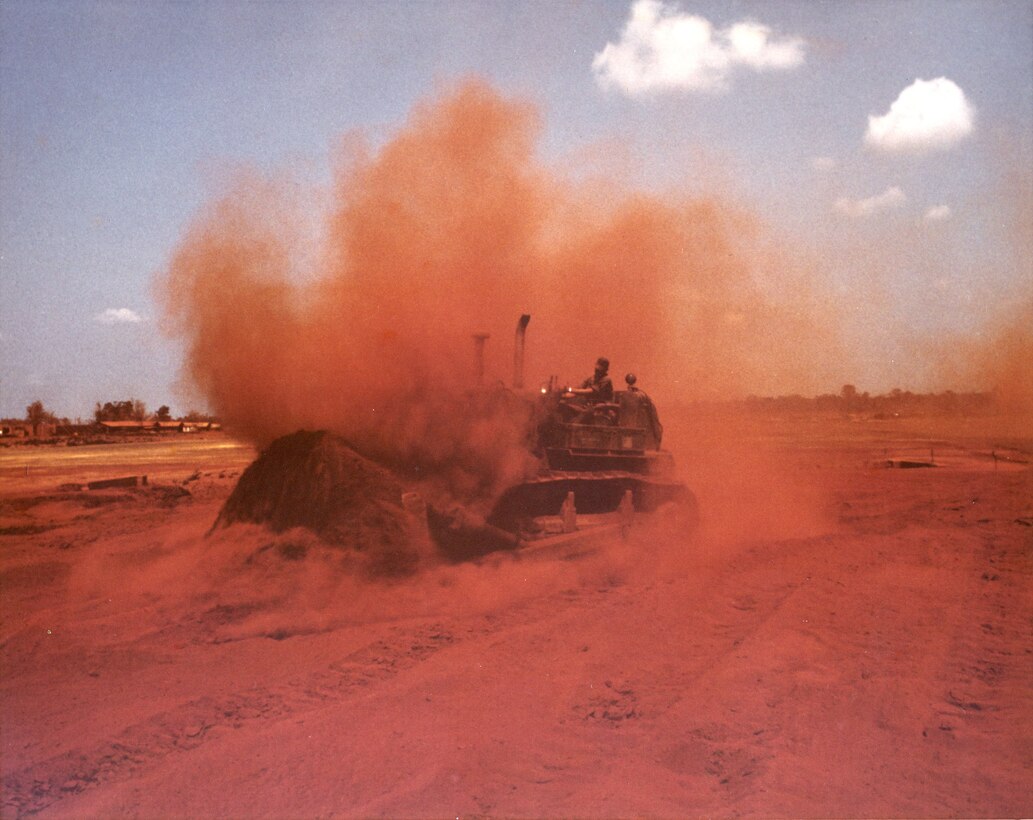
837	639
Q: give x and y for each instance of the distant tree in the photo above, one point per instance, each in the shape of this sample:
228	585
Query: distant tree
163	414
127	410
36	415
110	411
849	396
197	415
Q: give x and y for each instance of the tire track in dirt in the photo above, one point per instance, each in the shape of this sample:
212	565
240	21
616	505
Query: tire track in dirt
990	665
144	745
727	754
654	713
186	727
976	686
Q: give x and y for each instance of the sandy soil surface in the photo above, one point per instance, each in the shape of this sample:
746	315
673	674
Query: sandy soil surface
837	639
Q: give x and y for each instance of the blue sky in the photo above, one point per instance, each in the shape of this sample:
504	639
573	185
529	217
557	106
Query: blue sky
114	117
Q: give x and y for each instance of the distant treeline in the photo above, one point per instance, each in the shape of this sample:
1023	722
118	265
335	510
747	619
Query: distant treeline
886	405
37	416
136	410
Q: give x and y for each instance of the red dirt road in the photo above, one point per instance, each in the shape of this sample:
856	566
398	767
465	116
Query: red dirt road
875	662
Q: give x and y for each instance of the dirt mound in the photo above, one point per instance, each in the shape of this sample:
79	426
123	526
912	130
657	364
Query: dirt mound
315	480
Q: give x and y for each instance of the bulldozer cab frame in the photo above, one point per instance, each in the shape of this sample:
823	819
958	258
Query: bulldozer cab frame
614	435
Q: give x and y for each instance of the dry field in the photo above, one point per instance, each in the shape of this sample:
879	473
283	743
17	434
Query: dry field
836	640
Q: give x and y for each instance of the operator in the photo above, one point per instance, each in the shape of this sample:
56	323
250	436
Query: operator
598	387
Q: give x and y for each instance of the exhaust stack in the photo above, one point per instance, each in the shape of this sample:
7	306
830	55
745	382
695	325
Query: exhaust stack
518	352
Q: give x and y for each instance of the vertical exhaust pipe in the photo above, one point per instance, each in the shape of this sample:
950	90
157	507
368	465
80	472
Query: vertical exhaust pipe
478	349
518	352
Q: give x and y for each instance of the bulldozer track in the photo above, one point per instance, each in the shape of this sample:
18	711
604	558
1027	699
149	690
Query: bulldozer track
145	744
186	727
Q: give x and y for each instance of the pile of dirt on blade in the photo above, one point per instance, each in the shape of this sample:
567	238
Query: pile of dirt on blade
315	480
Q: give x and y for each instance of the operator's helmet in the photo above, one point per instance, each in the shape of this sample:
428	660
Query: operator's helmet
602	363
630	379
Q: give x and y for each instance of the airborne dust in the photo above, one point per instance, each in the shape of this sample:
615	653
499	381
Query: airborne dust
455	227
129	660
451	228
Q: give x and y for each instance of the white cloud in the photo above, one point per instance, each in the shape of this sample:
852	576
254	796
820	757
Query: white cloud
823	163
928	114
938	213
664	49
118	316
751	45
889	199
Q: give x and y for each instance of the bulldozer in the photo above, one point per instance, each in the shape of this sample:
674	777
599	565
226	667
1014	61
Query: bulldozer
593	456
598	461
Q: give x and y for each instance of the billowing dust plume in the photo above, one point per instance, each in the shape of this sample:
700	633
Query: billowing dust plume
454	227
999	357
1005	355
1002	359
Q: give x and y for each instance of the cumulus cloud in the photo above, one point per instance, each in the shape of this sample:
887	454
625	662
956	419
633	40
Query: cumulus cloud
938	213
889	199
751	45
823	163
664	49
118	316
928	114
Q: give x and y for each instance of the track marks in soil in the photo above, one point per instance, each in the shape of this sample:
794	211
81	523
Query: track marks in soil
612	703
729	760
145	744
191	724
990	662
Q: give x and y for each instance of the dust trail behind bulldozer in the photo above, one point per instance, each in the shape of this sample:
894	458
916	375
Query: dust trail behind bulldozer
454	227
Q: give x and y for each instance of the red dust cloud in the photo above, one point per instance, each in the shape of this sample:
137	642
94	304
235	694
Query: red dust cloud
1007	360
999	357
452	228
